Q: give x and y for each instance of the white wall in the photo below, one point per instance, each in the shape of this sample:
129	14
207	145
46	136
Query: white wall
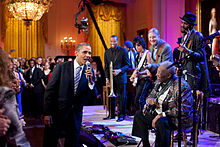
166	19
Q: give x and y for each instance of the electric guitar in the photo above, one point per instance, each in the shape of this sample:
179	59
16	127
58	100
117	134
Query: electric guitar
216	61
141	63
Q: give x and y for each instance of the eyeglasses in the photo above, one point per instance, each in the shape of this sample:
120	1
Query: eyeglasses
138	44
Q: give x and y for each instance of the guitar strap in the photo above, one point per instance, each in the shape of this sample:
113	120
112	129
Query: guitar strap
189	44
159	51
140	64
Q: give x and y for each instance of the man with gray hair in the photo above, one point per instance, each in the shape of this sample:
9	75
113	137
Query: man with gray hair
65	95
161	109
160	51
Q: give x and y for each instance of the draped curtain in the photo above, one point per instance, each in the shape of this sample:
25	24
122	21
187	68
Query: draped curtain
27	42
111	21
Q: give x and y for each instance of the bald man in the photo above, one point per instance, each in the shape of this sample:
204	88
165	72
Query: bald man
161	109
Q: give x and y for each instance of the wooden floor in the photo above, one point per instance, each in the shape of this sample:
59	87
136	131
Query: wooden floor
95	115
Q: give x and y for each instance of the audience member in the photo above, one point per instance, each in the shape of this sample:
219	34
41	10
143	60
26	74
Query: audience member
46	72
98	82
33	77
15	134
4	123
39	62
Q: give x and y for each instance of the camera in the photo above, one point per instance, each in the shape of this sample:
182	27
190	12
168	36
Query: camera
84	23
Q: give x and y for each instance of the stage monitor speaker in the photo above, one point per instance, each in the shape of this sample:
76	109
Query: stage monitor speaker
213	123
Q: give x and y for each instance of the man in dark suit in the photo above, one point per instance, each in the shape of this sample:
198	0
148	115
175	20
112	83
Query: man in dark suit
33	77
119	57
39	62
65	95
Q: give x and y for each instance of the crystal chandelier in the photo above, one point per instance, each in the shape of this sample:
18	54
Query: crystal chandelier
28	10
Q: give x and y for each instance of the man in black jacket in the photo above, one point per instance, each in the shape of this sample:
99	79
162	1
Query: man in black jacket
119	57
34	84
195	63
65	95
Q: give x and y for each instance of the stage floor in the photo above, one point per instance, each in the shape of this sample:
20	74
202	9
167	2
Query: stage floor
95	115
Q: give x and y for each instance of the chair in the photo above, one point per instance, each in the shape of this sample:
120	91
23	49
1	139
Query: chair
199	95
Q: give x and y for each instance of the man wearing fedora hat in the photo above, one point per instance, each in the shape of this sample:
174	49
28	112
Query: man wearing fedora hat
195	63
193	46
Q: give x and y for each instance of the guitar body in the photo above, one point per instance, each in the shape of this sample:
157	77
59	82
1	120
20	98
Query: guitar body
135	82
216	61
135	79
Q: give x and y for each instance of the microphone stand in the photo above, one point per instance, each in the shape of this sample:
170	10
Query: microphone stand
179	74
178	63
194	107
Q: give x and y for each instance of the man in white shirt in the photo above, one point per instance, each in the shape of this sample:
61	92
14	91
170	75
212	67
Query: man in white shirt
65	95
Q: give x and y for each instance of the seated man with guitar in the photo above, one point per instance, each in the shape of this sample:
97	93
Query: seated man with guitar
161	109
141	76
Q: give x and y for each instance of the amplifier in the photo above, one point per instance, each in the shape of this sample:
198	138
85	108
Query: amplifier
213	123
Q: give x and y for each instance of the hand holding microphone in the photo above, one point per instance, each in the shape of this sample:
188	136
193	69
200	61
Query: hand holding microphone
89	72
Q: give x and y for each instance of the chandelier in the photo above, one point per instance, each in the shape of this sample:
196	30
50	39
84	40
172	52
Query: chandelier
28	10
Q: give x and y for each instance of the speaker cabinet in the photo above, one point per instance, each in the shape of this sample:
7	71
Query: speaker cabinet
213	123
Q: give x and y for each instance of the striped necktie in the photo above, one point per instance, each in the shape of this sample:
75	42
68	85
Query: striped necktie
77	78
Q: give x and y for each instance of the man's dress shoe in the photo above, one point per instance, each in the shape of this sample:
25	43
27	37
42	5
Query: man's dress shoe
109	117
175	138
120	119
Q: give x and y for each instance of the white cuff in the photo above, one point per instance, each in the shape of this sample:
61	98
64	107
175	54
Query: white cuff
91	86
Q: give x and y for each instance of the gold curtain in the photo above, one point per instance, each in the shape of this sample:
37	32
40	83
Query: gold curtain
111	21
27	43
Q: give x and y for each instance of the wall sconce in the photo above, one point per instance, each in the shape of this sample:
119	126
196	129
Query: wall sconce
68	46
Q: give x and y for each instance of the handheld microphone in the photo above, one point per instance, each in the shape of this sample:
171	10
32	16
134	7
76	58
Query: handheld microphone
88	66
212	36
